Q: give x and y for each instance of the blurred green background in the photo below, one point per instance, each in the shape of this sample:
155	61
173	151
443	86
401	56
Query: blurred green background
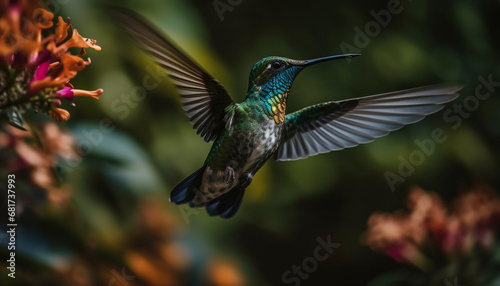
127	173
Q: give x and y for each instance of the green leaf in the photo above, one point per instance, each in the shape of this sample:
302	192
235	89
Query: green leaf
15	118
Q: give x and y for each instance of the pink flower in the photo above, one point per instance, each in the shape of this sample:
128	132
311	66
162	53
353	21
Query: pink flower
431	225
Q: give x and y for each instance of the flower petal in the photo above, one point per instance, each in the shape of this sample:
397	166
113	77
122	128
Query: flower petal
94	94
59	114
73	63
42	18
61	32
40	85
77	41
41	71
66	93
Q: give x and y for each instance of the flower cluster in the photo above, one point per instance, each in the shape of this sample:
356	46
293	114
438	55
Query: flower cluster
33	158
36	65
430	227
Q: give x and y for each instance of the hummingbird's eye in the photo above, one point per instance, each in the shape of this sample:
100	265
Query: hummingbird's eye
276	65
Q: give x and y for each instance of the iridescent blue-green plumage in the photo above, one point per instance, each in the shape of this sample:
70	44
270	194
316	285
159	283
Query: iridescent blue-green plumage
247	134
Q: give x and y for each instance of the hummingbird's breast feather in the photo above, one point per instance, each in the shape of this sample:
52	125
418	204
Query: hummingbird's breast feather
265	143
245	150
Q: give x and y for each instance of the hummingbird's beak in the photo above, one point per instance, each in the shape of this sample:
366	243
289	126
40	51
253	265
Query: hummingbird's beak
307	63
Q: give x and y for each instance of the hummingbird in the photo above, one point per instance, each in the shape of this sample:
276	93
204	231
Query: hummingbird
247	134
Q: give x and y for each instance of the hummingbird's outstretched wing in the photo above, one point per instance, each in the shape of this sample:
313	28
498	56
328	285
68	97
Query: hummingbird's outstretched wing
203	98
342	124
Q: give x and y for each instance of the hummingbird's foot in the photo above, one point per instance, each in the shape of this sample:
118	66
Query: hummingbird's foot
229	176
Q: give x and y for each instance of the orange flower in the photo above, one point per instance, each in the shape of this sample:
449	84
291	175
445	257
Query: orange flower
88	93
42	61
59	114
42	19
69	93
61	32
78	41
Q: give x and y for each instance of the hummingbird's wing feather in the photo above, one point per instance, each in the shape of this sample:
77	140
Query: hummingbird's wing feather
342	124
203	98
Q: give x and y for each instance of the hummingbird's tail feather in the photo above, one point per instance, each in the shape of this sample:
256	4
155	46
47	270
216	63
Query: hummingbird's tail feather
185	191
226	205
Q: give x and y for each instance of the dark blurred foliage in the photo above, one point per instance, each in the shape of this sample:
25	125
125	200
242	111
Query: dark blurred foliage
135	144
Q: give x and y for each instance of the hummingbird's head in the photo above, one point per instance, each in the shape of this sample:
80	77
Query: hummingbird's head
279	72
271	79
